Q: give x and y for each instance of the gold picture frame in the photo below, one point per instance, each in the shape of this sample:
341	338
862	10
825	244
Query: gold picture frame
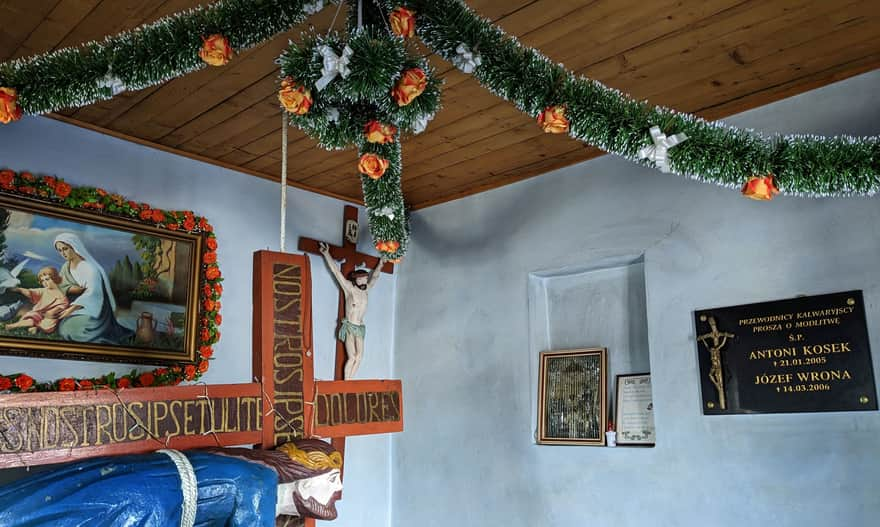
572	397
149	316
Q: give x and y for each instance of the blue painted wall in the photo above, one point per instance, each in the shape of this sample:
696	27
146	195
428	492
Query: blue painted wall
465	346
245	213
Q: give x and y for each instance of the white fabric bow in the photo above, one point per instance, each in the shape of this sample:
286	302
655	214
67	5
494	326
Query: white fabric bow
332	114
333	65
112	83
386	211
421	123
658	151
313	7
466	60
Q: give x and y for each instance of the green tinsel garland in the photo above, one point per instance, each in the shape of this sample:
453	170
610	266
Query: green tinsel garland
146	56
616	123
339	113
598	115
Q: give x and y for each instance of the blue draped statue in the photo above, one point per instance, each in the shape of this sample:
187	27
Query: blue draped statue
231	488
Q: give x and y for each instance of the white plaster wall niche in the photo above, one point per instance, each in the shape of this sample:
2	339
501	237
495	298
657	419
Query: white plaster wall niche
600	304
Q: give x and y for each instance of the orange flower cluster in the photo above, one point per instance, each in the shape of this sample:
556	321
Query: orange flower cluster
296	99
389	246
9	108
411	84
216	50
553	120
376	132
372	166
761	188
403	22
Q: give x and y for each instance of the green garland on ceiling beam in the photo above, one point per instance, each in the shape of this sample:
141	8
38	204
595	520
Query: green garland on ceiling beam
611	120
598	115
146	56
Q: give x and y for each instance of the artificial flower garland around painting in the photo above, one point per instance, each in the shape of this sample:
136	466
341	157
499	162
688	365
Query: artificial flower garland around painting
58	192
560	101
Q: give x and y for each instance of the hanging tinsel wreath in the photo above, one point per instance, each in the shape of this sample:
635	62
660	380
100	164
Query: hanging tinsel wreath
362	90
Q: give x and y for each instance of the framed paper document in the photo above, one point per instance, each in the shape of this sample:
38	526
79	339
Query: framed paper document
635	410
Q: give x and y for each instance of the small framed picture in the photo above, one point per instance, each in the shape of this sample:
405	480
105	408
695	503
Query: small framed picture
572	397
634	413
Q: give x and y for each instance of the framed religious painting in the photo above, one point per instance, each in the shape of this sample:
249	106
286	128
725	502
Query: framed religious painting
87	285
634	410
572	397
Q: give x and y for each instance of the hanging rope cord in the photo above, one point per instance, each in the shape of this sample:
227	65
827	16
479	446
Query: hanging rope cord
284	144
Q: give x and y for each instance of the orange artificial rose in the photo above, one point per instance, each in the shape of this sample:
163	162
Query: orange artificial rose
296	99
189	223
7	179
9	108
172	226
157	216
403	22
146	379
123	383
211	243
5	383
206	352
372	165
146	214
101	192
209	305
203	366
86	384
411	84
27	176
189	372
24	382
212	272
218	289
761	188
209	257
50	181
62	189
205	335
553	120
66	385
216	50
218	319
388	246
376	132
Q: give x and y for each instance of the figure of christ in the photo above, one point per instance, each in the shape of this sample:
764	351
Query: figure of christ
355	288
220	487
716	375
49	302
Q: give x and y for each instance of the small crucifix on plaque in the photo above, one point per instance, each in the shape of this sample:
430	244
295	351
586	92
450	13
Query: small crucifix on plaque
719	340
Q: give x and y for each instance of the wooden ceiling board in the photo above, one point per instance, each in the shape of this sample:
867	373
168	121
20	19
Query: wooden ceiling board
711	57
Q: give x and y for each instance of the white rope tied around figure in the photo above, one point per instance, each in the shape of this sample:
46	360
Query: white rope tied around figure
658	152
283	181
334	65
188	486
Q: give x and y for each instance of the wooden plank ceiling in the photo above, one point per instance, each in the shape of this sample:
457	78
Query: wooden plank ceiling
711	57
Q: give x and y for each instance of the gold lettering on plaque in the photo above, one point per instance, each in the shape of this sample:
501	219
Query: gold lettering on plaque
719	340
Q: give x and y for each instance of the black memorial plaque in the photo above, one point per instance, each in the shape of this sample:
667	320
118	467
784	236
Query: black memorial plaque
806	354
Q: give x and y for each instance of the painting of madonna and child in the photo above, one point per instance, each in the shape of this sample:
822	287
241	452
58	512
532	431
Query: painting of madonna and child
74	285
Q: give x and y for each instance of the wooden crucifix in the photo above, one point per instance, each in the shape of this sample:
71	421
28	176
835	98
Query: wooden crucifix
348	252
